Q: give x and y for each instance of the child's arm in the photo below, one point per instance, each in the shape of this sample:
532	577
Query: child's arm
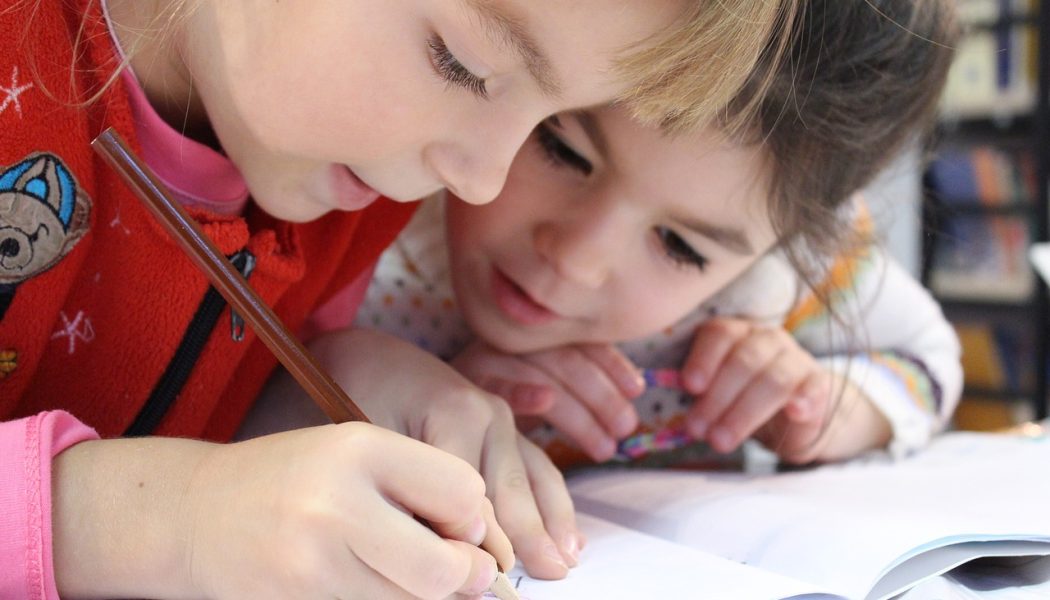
895	345
312	513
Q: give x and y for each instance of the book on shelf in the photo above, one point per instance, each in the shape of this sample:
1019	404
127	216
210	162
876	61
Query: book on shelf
982	256
993	355
995	67
868	529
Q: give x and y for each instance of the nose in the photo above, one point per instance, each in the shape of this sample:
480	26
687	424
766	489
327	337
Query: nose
10	247
583	247
474	165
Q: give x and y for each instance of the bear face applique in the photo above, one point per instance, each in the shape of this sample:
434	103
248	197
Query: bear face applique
43	214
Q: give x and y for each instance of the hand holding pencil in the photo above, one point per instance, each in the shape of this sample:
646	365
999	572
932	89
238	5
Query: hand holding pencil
325	506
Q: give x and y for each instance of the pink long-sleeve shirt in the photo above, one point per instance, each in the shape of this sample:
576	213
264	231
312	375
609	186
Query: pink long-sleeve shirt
26	449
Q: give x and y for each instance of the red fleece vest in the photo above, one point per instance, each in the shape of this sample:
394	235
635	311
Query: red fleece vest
96	299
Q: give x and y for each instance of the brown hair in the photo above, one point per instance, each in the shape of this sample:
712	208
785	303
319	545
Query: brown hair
861	79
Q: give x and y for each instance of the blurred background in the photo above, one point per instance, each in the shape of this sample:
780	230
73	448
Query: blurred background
964	218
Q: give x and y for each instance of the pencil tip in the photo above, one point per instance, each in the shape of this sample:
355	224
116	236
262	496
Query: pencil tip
502	588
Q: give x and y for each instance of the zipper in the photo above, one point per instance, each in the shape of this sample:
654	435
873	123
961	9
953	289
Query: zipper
236	321
189	351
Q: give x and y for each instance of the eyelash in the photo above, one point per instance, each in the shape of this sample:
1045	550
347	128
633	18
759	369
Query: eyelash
453	71
680	252
560	154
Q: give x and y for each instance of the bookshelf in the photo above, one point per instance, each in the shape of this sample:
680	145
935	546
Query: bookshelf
985	201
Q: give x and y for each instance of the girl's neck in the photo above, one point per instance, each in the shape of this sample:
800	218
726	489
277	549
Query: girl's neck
151	34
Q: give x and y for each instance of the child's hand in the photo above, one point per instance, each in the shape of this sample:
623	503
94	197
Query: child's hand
745	377
838	424
583	391
408	390
322	512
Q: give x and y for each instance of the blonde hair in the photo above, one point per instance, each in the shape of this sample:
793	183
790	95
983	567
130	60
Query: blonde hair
681	79
685	77
161	25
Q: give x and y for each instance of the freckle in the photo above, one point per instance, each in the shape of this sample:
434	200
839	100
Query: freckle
141	484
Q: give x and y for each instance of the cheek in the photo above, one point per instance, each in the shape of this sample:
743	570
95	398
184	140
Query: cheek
641	312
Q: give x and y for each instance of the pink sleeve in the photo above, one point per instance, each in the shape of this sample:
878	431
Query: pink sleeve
340	310
26	449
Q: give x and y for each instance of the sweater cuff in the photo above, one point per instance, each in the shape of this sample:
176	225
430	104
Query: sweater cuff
910	412
26	449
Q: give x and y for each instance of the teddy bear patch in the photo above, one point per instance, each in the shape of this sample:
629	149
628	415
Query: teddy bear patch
43	214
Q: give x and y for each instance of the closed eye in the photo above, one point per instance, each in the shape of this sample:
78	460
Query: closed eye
451	70
36	234
558	153
678	250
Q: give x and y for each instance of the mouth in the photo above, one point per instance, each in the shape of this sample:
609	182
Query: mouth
516	303
349	191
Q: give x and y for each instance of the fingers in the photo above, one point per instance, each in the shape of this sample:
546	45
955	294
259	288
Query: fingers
615	364
553	500
416	559
760	399
573	420
510	487
798	433
740	356
450	495
754	381
592	386
439	487
712	342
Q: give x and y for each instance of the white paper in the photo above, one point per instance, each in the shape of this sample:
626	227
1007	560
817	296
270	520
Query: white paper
838	528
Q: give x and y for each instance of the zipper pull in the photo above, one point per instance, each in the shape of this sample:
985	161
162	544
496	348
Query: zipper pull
244	262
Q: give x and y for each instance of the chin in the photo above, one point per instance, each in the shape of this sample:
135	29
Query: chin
510	341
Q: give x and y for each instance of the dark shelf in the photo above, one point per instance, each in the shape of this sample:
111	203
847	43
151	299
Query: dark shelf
992	127
974	306
997	394
1020	131
1004	21
976	207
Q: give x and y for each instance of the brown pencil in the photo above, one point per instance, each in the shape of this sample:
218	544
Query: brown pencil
242	298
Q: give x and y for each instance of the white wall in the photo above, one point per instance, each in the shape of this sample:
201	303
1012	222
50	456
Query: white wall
896	206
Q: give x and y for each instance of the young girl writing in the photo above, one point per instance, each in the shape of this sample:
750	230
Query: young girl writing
609	231
280	125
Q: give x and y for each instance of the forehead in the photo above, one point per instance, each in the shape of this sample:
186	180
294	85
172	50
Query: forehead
580	40
698	174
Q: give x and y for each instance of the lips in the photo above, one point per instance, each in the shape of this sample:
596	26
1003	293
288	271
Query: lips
516	304
349	191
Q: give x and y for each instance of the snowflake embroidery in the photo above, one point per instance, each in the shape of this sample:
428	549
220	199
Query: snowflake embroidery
12	93
79	328
116	222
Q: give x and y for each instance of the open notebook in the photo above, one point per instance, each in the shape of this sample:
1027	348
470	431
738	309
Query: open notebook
867	529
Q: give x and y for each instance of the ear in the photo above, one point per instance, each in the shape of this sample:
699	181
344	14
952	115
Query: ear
45	178
79	224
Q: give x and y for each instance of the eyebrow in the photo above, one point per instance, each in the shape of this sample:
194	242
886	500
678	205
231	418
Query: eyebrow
509	30
733	240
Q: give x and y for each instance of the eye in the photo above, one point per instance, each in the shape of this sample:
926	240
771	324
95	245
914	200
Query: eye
558	152
453	71
36	234
678	250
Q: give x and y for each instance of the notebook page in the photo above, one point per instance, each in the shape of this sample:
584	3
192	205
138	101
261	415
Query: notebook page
620	564
839	527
